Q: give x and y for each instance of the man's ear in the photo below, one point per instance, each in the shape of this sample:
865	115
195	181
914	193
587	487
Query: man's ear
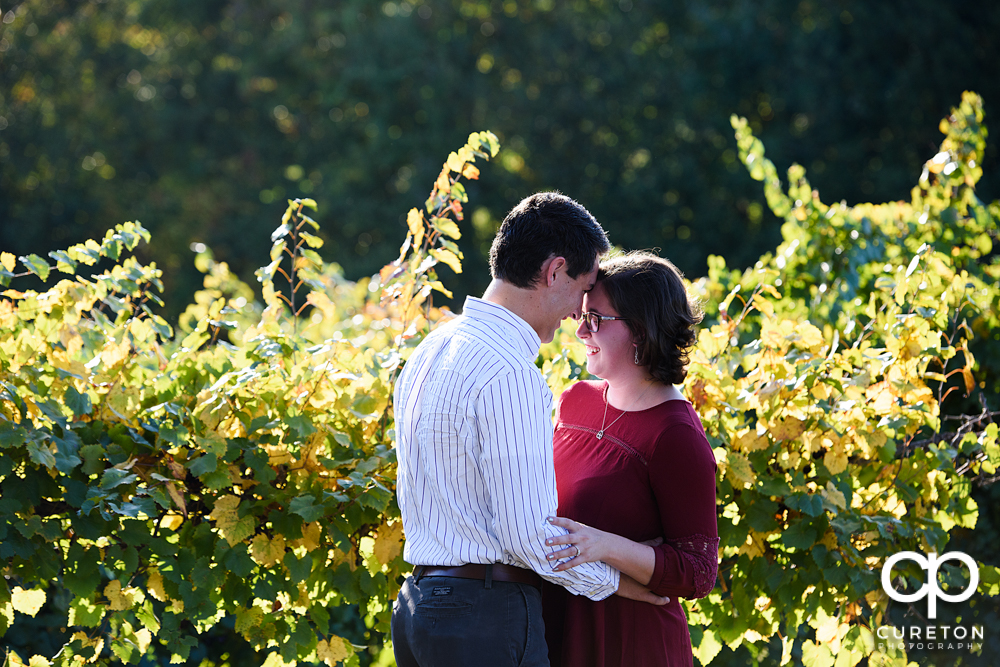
551	269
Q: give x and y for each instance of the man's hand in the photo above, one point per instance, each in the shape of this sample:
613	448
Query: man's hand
633	590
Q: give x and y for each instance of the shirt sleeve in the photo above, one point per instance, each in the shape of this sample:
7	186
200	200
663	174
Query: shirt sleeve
515	425
682	476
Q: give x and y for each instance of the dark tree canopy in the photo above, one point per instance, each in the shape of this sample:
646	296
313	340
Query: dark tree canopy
200	118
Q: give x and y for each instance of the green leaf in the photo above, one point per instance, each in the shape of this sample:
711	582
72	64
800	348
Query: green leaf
709	646
64	262
36	265
447	227
41	454
85	612
79	403
800	536
305	506
203	464
114	477
66	451
82	575
299	569
148	618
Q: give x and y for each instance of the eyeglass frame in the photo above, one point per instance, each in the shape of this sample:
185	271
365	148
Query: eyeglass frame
585	318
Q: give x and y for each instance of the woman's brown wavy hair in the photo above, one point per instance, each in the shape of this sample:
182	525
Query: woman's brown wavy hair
648	291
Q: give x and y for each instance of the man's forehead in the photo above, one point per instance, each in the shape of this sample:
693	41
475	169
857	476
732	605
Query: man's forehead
592	276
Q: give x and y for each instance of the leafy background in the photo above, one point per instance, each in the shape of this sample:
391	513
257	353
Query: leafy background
201	119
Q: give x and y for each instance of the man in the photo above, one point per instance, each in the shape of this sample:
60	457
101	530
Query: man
476	480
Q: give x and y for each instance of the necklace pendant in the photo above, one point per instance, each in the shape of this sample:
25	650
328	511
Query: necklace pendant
600	434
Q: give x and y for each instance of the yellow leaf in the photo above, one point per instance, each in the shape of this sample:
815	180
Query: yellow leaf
113	353
834	495
470	172
389	542
97	644
763	305
275	660
248	618
337	649
140	329
178	498
826	627
443	183
750	441
970	382
15	660
448	227
448	257
883	400
338	557
835	458
810	337
8	261
829	540
455	163
415	221
754	545
27	602
143	638
39	661
120	600
172	521
227	520
321	301
154	584
312	533
267	552
739	470
770	289
788	428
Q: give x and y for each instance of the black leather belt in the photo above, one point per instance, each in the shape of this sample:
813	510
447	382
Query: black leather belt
487	573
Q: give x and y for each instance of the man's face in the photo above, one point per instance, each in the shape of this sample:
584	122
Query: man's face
566	297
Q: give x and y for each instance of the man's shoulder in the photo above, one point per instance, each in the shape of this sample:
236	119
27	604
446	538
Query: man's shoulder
483	338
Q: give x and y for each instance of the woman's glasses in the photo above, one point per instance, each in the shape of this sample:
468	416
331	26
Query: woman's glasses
593	320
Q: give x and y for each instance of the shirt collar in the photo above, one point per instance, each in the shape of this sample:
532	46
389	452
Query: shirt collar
524	339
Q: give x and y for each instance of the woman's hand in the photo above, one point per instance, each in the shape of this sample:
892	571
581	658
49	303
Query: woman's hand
583	544
633	590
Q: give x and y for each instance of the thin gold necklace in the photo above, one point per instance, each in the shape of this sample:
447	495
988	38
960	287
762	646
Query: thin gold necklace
600	434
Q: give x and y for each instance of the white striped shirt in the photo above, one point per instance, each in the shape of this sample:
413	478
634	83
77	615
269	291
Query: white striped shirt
474	428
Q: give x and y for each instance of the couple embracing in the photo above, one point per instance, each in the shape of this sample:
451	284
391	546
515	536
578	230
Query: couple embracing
535	544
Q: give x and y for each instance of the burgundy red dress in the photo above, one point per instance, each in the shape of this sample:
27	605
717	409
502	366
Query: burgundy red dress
651	475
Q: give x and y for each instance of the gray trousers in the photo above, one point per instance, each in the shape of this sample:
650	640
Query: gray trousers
452	622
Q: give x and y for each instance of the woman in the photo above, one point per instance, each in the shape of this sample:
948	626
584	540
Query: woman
633	465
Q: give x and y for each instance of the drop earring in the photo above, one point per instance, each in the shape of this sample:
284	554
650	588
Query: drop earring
636	355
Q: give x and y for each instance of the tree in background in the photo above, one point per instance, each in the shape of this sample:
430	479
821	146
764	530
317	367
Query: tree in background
200	117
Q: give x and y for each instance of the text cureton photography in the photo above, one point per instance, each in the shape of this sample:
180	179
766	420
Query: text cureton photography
930	637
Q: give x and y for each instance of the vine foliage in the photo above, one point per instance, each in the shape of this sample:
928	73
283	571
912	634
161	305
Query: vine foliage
154	482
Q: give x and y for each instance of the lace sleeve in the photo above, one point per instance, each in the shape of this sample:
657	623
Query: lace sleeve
701	553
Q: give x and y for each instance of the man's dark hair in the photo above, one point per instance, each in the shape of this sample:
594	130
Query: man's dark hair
545	225
648	291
